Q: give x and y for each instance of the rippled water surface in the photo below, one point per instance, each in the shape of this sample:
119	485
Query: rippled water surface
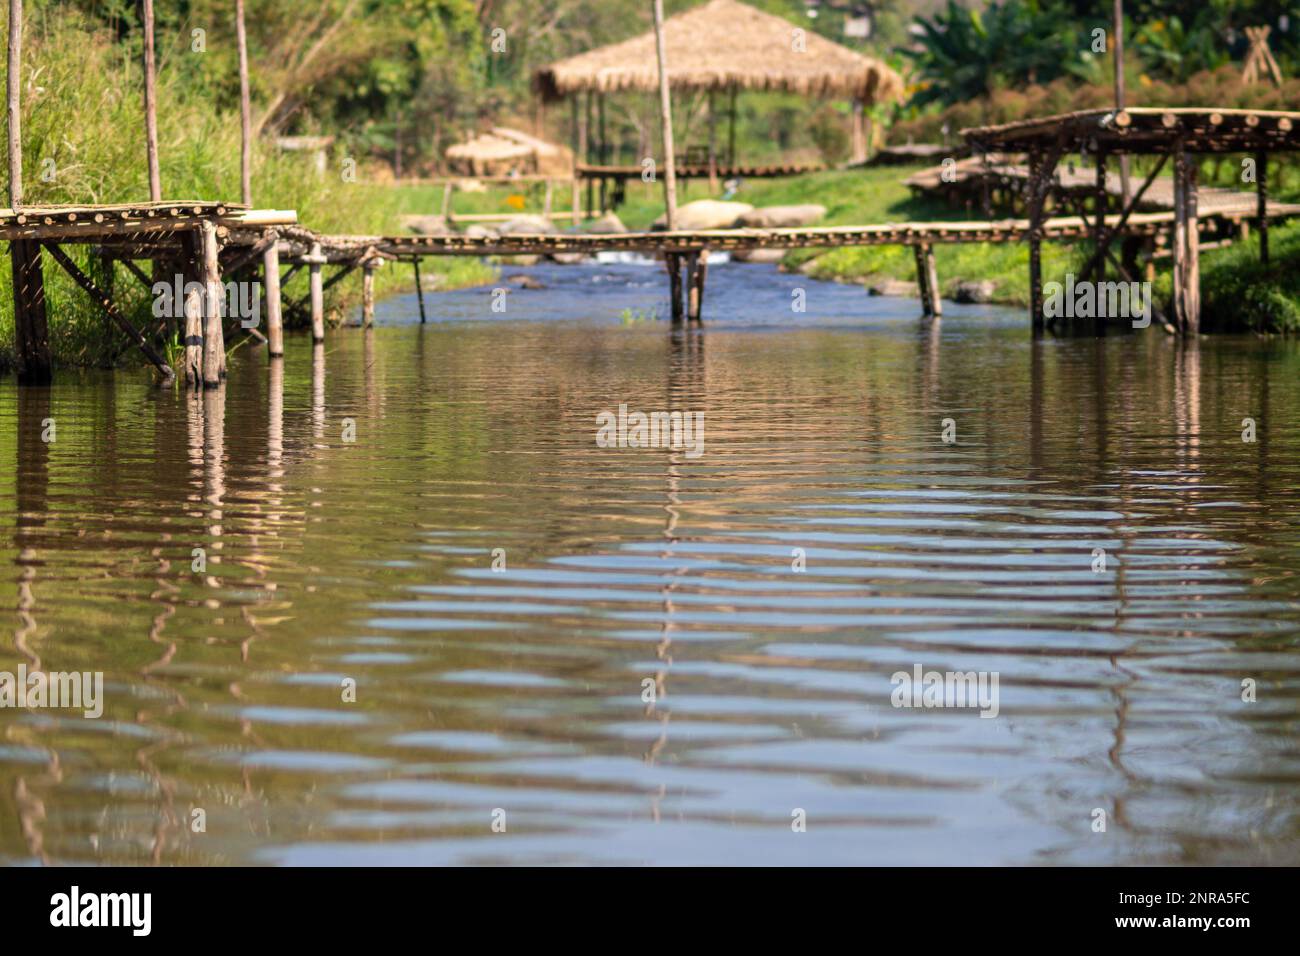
517	694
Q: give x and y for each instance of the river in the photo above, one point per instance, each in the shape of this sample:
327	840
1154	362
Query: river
390	601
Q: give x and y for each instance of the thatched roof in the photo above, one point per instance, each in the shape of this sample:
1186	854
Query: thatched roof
725	45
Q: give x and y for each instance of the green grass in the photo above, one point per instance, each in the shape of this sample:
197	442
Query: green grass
83	143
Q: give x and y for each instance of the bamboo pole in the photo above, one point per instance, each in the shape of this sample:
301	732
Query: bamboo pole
245	109
317	295
368	293
713	147
274	315
150	103
214	346
1192	272
1180	238
666	125
111	310
15	103
1119	94
419	288
1261	202
193	324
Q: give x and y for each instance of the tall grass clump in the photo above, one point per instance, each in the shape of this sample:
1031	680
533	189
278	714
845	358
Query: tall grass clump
83	142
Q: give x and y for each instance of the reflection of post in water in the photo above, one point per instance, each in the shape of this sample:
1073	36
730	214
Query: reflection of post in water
1187	401
318	392
685	394
32	481
1036	406
214	468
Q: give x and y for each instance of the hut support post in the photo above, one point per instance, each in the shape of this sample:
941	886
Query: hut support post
274	315
368	293
713	147
214	346
586	130
731	131
31	329
419	286
574	139
317	295
1035	245
602	149
674	263
1261	202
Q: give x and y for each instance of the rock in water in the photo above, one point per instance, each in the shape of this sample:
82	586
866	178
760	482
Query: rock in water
975	292
896	287
706	214
782	217
607	225
758	255
527	226
526	282
426	225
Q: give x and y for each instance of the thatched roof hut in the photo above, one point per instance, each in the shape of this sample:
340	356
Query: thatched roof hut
503	150
725	45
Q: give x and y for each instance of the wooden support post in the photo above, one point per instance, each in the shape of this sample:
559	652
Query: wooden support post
1261	202
602	149
731	131
245	109
674	263
588	128
1100	238
446	203
15	85
31	329
576	199
713	147
193	320
697	271
927	280
1035	246
1192	271
666	124
368	293
274	317
1180	238
419	287
111	310
546	205
150	103
214	345
317	295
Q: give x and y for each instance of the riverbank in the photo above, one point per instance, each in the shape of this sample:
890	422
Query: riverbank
83	143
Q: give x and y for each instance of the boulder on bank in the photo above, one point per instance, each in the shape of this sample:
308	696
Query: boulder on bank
607	225
767	256
567	258
426	225
782	217
527	226
975	292
895	287
480	232
706	214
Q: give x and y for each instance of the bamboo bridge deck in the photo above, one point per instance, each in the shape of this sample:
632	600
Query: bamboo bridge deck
203	242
